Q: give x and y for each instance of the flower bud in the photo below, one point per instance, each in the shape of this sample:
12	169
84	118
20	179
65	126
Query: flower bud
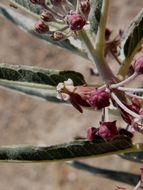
57	36
91	133
107	130
138	65
41	27
75	21
85	7
47	16
107	34
99	99
38	2
56	2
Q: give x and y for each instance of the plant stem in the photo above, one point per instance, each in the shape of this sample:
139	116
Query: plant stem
130	89
100	38
117	100
137	186
126	81
101	64
97	54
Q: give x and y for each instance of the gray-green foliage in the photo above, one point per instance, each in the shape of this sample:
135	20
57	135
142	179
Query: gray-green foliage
95	14
134	36
34	81
67	151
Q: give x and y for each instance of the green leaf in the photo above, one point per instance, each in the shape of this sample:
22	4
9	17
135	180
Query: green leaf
95	14
134	35
133	156
67	151
131	42
120	176
45	92
27	24
27	6
38	75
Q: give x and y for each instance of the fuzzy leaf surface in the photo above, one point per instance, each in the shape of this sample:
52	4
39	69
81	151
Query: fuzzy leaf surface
44	92
38	75
95	14
67	151
27	6
134	36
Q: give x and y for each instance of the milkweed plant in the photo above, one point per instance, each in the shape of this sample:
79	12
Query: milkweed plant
80	26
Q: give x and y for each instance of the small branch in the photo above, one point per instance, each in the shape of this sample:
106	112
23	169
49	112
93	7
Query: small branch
126	81
117	100
100	38
137	186
101	64
134	96
130	89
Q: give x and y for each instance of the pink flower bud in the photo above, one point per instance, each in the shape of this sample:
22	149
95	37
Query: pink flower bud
75	21
91	133
56	2
126	117
99	99
57	36
138	65
85	7
107	130
107	34
41	27
38	2
47	16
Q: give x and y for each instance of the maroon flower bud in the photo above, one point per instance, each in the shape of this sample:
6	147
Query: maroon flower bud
99	99
138	65
136	105
56	2
75	21
85	7
126	117
57	36
77	101
107	130
38	2
107	34
130	71
91	133
47	16
41	27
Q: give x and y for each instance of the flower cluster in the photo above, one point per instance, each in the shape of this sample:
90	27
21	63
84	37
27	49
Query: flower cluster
83	95
128	104
68	17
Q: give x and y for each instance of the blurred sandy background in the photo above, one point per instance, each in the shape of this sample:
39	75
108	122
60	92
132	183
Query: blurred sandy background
24	120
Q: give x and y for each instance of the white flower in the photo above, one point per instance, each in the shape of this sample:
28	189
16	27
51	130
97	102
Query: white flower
63	88
60	86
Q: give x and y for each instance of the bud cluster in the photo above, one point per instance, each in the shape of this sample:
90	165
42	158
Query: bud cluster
68	18
83	95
